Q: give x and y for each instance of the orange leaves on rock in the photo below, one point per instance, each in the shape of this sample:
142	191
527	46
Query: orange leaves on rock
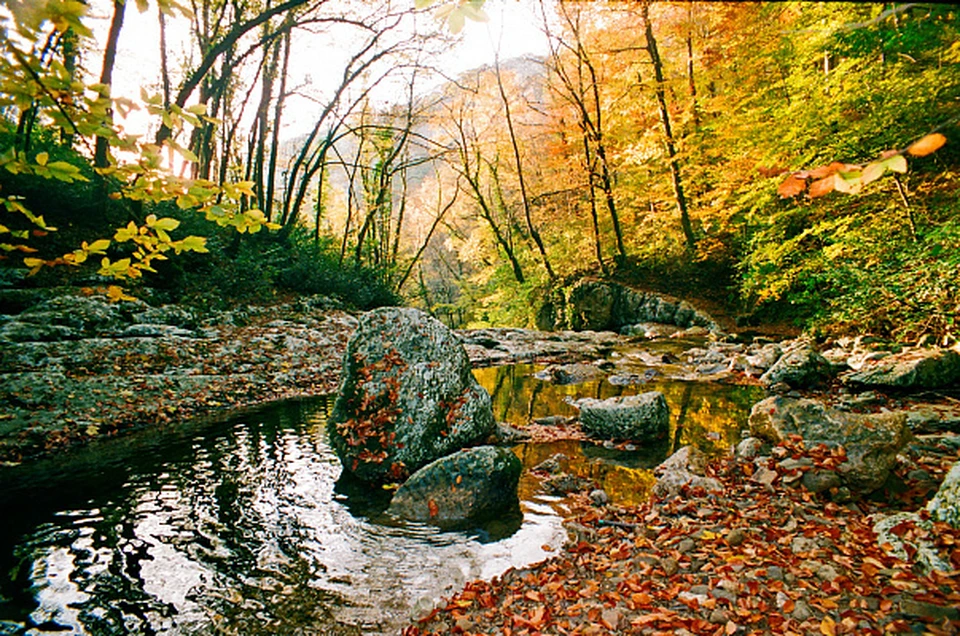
434	509
926	145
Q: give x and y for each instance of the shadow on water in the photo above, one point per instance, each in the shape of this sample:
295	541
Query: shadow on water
241	526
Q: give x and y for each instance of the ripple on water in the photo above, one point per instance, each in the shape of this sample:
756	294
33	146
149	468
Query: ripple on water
242	526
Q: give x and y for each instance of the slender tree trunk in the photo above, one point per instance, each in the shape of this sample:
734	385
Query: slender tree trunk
673	162
164	62
592	193
534	234
275	140
101	157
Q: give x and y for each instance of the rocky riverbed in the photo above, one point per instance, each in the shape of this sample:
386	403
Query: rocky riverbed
696	558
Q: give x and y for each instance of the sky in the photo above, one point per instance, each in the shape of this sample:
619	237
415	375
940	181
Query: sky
512	24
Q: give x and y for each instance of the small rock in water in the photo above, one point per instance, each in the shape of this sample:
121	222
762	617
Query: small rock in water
599	497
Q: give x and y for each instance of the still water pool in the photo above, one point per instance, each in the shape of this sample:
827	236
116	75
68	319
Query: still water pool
246	526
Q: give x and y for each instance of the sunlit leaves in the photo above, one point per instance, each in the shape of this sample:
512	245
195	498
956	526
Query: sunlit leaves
850	179
926	145
456	12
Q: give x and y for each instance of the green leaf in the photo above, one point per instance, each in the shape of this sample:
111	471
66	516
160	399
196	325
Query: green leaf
194	244
125	234
165	224
896	163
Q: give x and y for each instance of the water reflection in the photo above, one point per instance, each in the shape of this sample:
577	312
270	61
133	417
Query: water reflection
239	527
706	415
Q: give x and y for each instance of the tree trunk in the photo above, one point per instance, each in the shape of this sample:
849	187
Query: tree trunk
101	151
534	234
674	163
275	140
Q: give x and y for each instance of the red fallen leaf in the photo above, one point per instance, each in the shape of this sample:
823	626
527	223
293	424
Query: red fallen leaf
434	509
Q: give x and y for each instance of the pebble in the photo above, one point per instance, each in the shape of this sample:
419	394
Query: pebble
801	612
686	546
775	572
670	566
599	497
735	537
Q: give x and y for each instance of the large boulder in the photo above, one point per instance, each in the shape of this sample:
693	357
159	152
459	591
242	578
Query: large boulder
801	367
407	397
634	417
596	305
590	306
917	368
945	505
472	484
871	441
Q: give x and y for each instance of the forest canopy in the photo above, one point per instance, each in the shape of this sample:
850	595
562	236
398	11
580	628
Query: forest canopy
787	161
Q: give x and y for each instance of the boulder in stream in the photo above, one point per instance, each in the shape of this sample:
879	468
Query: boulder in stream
633	417
472	484
871	441
918	368
407	397
801	367
685	468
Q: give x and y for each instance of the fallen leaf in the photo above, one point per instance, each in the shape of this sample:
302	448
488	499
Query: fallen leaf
926	145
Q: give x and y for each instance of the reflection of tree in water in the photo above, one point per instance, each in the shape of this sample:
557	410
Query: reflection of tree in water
707	415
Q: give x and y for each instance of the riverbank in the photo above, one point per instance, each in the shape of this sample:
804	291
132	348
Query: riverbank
761	556
76	368
758	557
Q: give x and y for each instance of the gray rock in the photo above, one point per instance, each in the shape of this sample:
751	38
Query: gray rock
749	447
167	315
871	441
635	417
683	469
801	612
145	330
924	554
87	316
599	497
945	505
916	368
471	484
569	373
817	481
406	398
802	367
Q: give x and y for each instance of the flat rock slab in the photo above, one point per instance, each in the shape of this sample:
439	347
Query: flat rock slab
871	441
917	368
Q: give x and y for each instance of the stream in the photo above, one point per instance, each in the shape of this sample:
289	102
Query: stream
245	525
